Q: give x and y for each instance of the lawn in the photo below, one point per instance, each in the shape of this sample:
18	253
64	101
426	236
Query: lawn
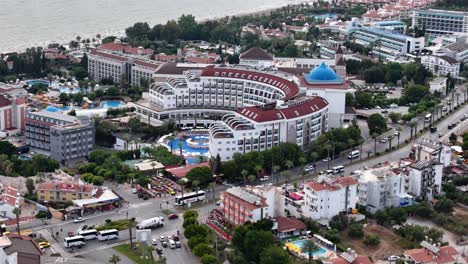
118	224
135	256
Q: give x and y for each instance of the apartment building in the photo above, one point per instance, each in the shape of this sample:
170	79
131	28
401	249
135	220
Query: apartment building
440	22
425	179
256	57
428	149
328	197
12	114
240	205
441	64
393	26
62	137
458	50
381	188
63	192
17	249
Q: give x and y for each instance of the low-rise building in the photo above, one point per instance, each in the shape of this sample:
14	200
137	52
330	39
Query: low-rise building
328	197
438	86
381	188
441	65
285	227
428	149
64	138
425	179
16	249
62	192
349	257
458	50
432	254
256	57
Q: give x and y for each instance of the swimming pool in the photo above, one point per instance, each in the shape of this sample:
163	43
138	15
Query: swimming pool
111	104
325	16
299	243
70	90
32	82
54	109
186	149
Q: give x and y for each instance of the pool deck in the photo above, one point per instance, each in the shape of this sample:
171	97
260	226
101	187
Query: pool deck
327	255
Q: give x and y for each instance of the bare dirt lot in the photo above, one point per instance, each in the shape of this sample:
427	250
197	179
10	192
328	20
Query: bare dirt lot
388	243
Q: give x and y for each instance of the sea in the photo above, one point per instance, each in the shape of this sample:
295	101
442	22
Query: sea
28	23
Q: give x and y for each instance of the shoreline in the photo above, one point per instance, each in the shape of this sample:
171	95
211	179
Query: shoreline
121	32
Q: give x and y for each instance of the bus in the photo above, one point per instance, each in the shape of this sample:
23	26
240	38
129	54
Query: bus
338	169
89	234
108	234
190	198
74	241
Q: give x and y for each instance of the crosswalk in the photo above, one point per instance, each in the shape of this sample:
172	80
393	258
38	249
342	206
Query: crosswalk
100	248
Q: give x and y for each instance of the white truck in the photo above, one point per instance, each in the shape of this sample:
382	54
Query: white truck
157	221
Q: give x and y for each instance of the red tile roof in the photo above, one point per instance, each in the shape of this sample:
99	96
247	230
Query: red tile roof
125	48
65	187
22	245
109	56
422	255
200	60
259	114
288	224
4	101
154	65
289	89
180	172
338	183
256	54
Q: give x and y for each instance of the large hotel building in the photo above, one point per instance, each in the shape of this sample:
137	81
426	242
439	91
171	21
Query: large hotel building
441	22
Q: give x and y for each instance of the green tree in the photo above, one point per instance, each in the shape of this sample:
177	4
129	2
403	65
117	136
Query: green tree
363	100
274	255
416	92
349	99
444	205
395	117
453	138
374	75
255	242
208	259
7	148
376	123
202	174
355	231
308	248
381	217
371	240
114	259
30	186
201	250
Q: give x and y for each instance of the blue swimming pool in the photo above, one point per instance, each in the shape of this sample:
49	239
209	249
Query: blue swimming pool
54	109
70	90
187	150
111	104
300	243
32	82
325	16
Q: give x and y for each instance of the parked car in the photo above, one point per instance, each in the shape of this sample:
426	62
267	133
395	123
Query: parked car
162	238
159	251
172	244
164	244
134	190
393	258
309	167
264	178
173	216
154	241
383	140
43	245
177	244
79	220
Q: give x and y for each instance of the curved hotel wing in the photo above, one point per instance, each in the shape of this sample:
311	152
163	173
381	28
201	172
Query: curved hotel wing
244	109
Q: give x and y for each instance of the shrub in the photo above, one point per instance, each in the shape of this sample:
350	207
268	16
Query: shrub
201	250
208	259
189	221
108	221
193	241
371	240
195	230
355	230
190	214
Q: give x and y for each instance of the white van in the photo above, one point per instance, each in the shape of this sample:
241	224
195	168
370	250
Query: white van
172	243
338	169
354	154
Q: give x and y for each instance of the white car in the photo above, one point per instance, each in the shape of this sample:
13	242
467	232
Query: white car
393	258
309	167
79	220
265	178
154	241
162	238
326	159
134	190
383	140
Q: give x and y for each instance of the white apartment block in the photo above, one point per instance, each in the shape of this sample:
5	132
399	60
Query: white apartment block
438	86
427	150
328	197
441	22
381	188
425	179
441	65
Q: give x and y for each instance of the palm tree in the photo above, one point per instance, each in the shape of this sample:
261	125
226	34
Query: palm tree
375	136
309	247
251	178
182	183
195	185
398	135
412	125
179	144
289	164
361	142
276	169
17	212
258	169
114	259
244	174
212	186
169	140
390	138
131	224
313	157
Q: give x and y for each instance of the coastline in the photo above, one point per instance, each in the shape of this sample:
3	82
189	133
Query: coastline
121	32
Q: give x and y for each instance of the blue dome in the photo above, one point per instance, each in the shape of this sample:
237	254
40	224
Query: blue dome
52	109
322	73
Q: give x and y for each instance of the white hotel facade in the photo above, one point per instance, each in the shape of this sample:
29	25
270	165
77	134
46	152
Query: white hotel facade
244	109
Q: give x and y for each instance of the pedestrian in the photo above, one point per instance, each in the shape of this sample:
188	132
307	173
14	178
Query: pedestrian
60	230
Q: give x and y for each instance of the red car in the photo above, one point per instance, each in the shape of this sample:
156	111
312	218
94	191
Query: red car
173	216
